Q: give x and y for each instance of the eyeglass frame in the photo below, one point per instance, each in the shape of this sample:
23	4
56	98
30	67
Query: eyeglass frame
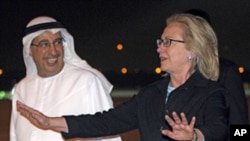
163	41
56	42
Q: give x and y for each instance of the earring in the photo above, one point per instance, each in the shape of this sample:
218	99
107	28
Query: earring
190	57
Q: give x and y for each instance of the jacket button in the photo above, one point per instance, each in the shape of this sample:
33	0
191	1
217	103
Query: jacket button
166	111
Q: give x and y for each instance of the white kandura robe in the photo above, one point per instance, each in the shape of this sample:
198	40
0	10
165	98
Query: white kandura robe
71	92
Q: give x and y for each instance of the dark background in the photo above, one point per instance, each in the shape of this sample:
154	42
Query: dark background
99	25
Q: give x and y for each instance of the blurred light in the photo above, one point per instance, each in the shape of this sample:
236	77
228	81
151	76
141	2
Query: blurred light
157	70
119	47
2	94
5	95
124	70
1	71
241	69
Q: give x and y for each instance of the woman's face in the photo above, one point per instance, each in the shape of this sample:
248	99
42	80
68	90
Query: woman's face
47	52
174	58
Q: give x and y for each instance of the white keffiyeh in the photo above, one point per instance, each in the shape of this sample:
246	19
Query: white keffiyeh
70	55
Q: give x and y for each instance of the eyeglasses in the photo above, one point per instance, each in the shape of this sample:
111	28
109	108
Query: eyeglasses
45	43
167	42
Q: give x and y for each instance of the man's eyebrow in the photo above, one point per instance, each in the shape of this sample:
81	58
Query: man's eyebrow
59	38
44	40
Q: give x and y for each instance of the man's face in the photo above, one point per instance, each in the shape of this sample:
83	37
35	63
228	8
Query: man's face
47	52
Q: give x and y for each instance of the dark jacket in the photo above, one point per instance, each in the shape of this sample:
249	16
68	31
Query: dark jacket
198	97
231	79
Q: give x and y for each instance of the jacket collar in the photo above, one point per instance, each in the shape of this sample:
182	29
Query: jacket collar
195	80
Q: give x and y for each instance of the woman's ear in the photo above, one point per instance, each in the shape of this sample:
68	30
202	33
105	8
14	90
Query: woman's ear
191	56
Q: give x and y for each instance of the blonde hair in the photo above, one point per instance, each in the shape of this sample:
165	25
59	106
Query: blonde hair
200	39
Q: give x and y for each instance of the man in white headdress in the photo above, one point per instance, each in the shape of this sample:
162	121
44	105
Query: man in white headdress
57	82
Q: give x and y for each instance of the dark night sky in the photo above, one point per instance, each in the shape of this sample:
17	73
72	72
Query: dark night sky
98	25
